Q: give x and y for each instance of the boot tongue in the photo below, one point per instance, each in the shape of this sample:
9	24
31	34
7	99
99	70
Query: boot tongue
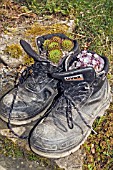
80	75
76	76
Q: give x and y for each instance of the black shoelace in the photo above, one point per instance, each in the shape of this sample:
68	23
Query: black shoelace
70	104
84	92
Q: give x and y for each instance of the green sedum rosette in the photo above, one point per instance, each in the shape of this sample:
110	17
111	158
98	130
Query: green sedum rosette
56	39
46	43
55	55
67	45
53	45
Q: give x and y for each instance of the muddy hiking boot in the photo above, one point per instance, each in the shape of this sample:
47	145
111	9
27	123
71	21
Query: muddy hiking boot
84	95
34	93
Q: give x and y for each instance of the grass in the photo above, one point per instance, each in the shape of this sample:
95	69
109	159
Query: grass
94	31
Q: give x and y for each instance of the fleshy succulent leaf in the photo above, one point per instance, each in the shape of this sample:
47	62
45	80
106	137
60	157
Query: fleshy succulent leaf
55	55
53	45
67	45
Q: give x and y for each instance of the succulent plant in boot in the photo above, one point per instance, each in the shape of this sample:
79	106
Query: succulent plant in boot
67	45
53	45
56	39
55	55
46	43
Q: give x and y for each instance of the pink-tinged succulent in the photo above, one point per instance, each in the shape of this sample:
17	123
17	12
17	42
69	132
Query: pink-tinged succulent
85	59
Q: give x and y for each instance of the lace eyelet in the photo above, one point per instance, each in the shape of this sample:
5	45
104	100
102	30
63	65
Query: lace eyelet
24	73
37	65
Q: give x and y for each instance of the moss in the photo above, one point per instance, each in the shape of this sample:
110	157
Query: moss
14	50
27	60
67	45
55	55
12	149
38	30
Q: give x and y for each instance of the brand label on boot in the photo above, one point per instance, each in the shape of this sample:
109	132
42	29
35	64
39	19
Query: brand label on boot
74	78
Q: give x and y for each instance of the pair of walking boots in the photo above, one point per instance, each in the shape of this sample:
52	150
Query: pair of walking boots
67	97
